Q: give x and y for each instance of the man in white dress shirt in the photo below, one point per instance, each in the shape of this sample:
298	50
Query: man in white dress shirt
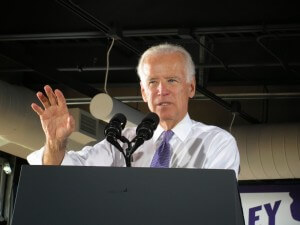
167	75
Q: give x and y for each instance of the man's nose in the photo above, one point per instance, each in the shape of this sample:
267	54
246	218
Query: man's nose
162	88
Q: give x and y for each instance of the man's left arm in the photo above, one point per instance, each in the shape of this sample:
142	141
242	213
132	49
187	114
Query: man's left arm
223	153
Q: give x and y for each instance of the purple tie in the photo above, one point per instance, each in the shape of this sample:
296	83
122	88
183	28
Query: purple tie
161	158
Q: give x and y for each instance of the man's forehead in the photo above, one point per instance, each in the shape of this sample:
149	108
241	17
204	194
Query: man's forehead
162	66
159	56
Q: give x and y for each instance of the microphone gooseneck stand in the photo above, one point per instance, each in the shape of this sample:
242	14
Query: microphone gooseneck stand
144	132
114	142
132	146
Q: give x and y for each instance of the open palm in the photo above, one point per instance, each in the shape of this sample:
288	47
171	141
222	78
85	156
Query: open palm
56	121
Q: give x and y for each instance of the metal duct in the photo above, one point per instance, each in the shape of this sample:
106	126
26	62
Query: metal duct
269	151
104	107
20	128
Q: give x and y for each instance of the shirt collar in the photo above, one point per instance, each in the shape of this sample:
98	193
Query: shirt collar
181	130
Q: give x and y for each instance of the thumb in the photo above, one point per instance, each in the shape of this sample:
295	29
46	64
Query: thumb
71	123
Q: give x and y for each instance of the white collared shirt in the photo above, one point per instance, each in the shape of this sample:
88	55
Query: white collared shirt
193	145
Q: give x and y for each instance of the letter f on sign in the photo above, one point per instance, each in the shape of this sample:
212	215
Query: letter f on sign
252	215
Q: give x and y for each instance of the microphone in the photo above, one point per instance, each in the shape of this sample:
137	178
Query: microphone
148	125
113	129
145	130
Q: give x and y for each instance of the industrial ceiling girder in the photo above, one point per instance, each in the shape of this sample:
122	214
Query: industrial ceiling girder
109	32
19	54
287	30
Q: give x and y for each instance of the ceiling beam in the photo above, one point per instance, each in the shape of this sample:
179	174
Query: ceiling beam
19	54
228	106
156	32
126	68
109	32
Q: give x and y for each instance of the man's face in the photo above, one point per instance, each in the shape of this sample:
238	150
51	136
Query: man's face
165	88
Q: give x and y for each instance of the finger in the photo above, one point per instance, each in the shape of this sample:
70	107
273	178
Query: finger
37	109
51	96
71	123
61	101
43	99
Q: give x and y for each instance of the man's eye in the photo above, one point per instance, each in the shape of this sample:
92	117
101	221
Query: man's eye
152	82
172	80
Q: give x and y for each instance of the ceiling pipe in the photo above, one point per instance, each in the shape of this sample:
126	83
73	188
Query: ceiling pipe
128	68
19	54
259	41
20	130
52	36
111	33
226	105
282	63
155	32
104	107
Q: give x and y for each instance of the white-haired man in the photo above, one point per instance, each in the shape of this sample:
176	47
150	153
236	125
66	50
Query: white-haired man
167	80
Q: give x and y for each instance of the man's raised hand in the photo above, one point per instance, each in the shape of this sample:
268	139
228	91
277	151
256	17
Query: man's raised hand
57	123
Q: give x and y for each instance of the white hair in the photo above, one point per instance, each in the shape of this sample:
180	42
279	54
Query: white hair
168	48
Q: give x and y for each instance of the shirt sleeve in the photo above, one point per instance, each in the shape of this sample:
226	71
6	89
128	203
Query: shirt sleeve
223	153
101	154
35	158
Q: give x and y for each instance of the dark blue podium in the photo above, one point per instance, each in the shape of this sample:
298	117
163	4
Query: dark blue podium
70	195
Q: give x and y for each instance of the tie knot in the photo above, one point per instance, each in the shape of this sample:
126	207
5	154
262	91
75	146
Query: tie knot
168	135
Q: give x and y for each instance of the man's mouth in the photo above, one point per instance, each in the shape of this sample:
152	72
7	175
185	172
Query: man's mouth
164	103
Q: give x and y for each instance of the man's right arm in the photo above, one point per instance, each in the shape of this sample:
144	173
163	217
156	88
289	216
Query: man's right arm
101	154
57	124
54	152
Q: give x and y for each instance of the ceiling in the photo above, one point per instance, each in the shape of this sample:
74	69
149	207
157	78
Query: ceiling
233	43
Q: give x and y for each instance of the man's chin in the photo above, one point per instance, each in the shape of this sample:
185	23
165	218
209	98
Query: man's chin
165	116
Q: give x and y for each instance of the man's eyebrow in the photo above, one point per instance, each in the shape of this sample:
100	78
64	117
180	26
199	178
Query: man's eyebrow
173	77
152	78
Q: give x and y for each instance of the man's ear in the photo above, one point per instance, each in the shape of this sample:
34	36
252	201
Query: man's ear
143	92
192	88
